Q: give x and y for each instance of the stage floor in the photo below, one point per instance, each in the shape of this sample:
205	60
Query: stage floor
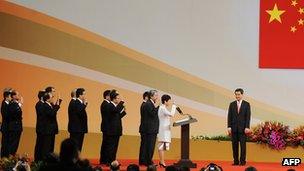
226	165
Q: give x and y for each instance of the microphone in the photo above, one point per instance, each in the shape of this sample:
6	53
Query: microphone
179	110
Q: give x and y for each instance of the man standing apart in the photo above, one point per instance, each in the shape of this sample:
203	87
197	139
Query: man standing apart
239	125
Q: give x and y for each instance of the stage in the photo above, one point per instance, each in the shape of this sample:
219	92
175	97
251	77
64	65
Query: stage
226	165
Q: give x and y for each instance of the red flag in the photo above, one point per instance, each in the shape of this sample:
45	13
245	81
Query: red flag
281	34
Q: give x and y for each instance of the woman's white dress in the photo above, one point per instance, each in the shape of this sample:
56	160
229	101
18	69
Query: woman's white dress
164	132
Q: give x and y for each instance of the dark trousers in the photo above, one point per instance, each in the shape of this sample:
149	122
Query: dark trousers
142	154
38	148
13	141
239	138
104	159
44	145
4	144
78	138
112	147
147	146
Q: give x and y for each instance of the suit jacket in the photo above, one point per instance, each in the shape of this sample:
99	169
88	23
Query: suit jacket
49	119
239	121
149	118
141	116
14	117
4	114
78	120
115	115
40	122
104	111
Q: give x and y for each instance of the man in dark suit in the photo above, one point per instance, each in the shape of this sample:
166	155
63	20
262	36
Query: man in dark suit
55	102
116	113
49	125
4	126
142	142
14	122
104	126
78	122
39	127
149	128
239	125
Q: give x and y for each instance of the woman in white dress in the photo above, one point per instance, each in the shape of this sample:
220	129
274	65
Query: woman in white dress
165	112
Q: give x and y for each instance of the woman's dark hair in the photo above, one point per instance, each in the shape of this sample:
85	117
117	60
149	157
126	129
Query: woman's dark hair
165	98
68	151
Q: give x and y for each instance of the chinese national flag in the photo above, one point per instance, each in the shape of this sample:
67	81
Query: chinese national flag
281	34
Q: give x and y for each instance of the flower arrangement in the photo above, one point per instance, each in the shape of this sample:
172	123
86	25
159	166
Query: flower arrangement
296	137
274	134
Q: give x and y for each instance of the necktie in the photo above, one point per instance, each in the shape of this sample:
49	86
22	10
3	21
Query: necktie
238	107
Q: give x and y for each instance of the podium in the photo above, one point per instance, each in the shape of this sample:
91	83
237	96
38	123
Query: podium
185	138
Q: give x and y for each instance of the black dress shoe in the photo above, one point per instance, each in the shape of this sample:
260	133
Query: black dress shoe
243	163
235	164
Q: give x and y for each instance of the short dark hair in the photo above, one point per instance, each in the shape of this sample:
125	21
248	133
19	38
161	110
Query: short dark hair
133	167
79	92
106	93
172	168
46	96
146	94
239	90
113	91
6	94
49	89
113	95
68	150
41	94
13	93
250	168
165	98
151	167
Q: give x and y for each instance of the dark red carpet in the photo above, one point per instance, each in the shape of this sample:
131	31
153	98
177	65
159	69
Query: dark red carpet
226	165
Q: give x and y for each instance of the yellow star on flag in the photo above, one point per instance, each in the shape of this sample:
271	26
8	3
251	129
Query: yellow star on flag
301	10
294	3
301	21
293	29
275	14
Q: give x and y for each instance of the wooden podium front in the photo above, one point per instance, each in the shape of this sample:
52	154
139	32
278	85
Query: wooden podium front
185	138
